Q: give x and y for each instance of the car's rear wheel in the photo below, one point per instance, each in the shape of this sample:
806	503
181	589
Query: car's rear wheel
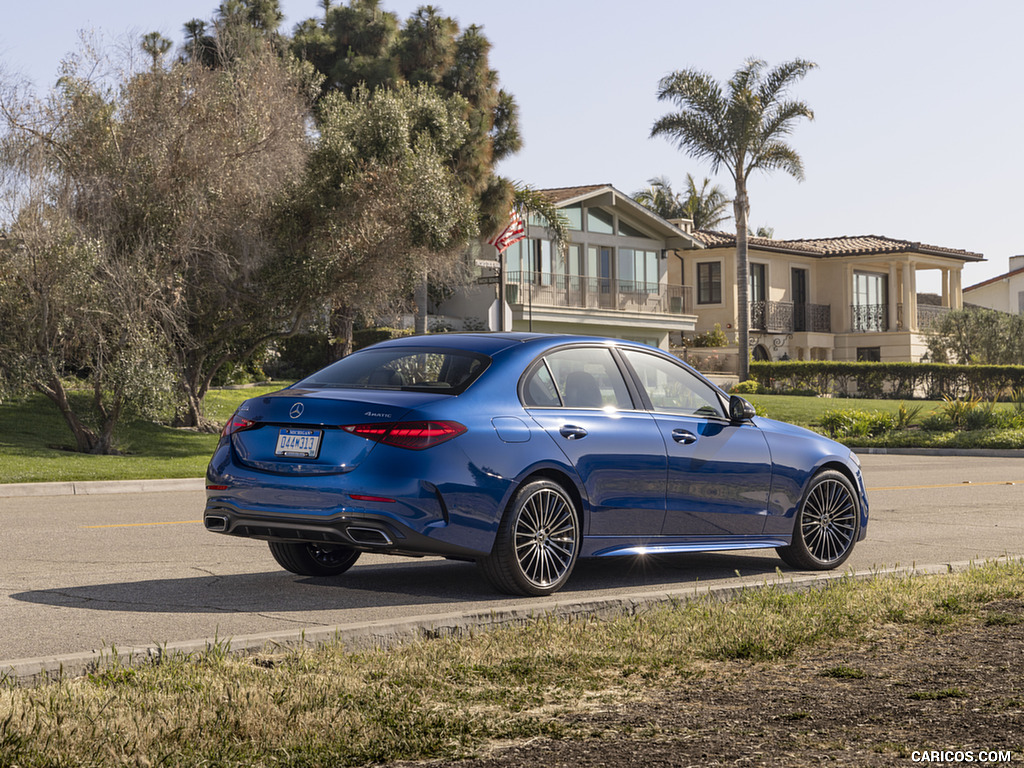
313	559
826	524
537	543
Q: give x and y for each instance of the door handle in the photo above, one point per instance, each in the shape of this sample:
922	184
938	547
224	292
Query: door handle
571	432
683	436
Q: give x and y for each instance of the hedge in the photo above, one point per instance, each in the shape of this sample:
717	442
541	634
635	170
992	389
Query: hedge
890	380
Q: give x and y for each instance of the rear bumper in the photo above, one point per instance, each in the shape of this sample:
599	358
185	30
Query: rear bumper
365	532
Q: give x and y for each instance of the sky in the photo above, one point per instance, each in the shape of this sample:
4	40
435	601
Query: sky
919	116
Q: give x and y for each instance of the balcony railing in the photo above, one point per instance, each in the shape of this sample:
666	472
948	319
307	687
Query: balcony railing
927	314
869	318
546	289
787	317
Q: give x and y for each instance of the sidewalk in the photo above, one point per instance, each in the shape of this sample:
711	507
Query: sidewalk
85	488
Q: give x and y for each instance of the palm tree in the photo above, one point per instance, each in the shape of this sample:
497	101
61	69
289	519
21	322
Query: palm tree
659	197
706	208
742	130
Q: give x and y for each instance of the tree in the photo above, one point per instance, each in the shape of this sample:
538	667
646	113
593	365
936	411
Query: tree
359	45
659	197
380	202
160	189
977	336
704	206
743	130
156	46
72	308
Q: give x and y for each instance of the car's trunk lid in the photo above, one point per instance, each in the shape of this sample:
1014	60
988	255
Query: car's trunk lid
303	431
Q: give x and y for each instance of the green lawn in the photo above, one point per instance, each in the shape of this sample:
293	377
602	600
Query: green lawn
35	444
807	411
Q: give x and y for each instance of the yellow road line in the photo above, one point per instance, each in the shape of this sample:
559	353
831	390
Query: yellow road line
945	485
142	525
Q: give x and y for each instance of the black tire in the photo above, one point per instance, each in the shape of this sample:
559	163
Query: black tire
537	544
313	559
826	525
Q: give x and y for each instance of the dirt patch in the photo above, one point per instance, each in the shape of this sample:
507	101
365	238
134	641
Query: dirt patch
909	691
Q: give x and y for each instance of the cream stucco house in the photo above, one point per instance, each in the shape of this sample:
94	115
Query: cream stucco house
1004	292
628	273
839	298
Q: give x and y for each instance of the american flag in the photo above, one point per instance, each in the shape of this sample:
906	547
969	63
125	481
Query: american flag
513	233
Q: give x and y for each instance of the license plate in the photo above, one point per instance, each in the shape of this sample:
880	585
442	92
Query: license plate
300	443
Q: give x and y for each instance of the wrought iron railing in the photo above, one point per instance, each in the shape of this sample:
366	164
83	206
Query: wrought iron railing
547	289
869	318
787	317
816	318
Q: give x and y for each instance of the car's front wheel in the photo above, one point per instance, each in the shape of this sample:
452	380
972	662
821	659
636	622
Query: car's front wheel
313	559
826	524
537	542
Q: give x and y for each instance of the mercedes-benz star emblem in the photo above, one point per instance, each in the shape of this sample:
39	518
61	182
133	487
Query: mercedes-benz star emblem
296	411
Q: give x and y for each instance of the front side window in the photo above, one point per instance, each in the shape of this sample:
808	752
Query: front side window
673	389
709	282
579	377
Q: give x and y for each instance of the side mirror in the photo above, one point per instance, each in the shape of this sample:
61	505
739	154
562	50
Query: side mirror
740	409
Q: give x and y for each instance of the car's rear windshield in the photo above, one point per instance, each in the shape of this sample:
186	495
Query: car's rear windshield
447	371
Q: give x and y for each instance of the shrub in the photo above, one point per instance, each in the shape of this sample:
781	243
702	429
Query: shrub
748	387
850	422
905	416
891	380
713	338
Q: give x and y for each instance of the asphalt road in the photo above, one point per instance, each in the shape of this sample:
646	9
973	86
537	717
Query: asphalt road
87	573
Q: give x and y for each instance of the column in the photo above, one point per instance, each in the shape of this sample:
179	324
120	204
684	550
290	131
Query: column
945	287
846	326
893	308
913	296
909	317
956	289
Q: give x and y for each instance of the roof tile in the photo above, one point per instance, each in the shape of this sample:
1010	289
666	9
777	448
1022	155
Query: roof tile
857	245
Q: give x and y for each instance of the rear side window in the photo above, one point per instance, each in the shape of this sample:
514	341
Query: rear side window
401	368
582	377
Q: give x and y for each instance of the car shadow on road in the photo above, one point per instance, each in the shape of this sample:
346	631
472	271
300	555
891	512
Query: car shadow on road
402	583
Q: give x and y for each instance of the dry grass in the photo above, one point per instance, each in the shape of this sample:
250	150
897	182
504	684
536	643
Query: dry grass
446	697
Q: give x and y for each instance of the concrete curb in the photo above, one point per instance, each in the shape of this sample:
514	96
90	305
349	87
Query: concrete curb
11	490
383	634
85	488
999	453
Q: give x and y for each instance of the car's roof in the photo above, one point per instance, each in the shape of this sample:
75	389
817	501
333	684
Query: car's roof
492	342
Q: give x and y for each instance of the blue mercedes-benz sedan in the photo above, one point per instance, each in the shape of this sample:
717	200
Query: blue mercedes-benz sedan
524	452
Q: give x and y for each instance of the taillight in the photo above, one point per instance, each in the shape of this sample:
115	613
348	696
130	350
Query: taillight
414	435
236	424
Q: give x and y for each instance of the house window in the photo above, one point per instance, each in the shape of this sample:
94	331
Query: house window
625	230
600	222
870	302
758	282
869	354
638	269
574	213
709	282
